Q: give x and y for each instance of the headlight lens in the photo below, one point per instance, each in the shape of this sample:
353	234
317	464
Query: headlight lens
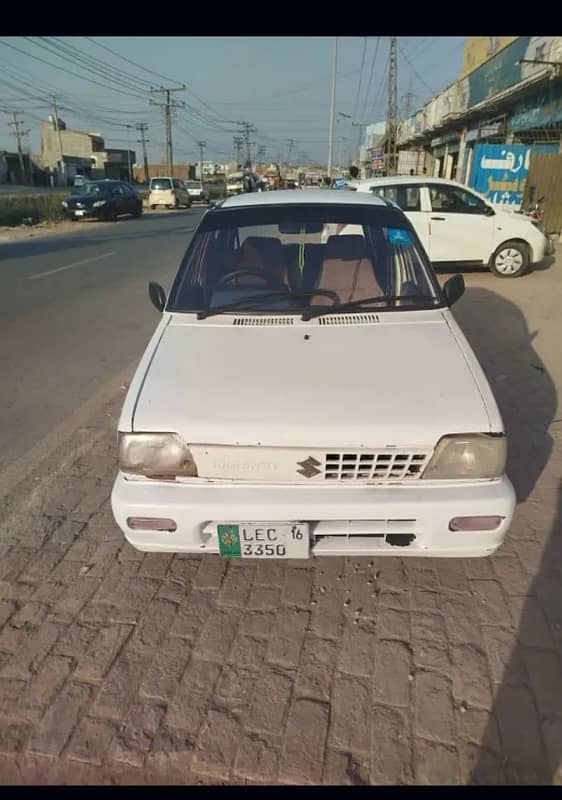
64	204
474	455
99	203
155	455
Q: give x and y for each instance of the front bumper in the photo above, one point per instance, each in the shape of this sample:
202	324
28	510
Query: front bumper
344	520
84	213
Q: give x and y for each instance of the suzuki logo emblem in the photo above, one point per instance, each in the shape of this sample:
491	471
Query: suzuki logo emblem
309	467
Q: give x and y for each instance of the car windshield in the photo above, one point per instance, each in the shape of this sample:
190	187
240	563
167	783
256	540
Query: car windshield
94	188
308	258
160	183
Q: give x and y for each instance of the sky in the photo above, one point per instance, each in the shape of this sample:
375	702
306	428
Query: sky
281	85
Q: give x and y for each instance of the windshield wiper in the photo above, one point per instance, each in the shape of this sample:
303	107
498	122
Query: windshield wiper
317	312
256	299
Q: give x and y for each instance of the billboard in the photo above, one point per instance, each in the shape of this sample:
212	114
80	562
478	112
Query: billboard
478	49
377	157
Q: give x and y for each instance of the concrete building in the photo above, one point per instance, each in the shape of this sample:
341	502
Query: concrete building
83	153
484	127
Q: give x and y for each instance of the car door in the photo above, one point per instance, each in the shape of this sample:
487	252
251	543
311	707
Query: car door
411	198
118	199
461	227
131	198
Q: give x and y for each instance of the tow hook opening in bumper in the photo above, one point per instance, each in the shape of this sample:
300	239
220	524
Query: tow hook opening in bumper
400	539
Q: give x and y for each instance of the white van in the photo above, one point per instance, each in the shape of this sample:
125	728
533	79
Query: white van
169	192
456	225
305	398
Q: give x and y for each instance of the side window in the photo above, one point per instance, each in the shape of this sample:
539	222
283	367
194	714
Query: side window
177	183
454	200
409	198
406	197
388	192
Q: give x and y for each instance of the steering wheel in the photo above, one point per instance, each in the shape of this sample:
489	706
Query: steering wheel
239	273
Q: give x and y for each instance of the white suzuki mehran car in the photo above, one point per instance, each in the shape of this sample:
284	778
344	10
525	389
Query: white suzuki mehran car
309	395
458	226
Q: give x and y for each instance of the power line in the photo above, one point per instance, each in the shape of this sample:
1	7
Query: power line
65	70
373	62
355	108
414	70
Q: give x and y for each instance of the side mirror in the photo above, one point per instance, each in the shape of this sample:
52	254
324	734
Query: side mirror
453	289
489	211
158	295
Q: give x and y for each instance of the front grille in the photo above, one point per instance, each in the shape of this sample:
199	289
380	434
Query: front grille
263	321
382	466
348	319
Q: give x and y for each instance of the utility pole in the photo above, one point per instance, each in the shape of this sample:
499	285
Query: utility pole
332	108
238	140
290	142
392	111
168	105
15	124
261	153
129	152
142	127
57	128
202	146
247	129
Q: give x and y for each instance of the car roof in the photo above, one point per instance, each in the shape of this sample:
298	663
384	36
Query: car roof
398	179
310	197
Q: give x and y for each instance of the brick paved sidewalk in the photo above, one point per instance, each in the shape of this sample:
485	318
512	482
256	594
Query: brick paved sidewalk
116	666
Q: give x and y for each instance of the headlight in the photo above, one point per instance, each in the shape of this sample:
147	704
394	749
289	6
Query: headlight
64	204
474	455
155	455
99	203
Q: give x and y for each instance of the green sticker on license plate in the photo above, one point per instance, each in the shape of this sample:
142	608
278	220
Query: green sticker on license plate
229	540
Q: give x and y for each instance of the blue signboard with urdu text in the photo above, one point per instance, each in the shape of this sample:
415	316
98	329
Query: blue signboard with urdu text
499	172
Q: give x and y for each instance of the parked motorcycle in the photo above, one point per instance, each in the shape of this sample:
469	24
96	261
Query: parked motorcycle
534	211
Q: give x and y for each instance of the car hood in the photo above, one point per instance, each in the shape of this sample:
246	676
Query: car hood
85	199
405	378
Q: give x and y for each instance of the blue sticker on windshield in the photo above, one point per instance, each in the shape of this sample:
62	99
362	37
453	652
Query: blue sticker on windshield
398	236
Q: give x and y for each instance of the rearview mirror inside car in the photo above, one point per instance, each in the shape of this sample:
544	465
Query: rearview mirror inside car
297	227
453	289
157	295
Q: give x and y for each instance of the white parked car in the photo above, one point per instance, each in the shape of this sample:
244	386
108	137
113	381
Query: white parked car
457	225
301	397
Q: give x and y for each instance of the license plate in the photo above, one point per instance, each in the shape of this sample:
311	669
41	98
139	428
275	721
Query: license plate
263	540
79	213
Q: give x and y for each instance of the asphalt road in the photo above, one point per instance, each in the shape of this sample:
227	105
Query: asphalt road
74	314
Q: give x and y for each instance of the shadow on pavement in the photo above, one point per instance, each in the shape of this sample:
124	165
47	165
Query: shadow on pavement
522	742
100	234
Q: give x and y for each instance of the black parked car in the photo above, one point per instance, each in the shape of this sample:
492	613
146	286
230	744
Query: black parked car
102	200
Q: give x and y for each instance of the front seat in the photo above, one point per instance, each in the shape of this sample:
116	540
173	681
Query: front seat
266	254
347	270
